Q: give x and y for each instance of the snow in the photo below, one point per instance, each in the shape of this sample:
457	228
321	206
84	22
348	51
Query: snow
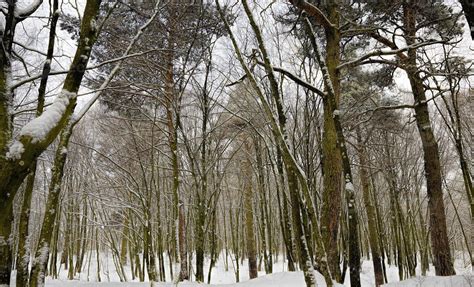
426	127
22	9
286	279
15	150
93	24
43	254
39	128
25	260
349	186
436	281
280	278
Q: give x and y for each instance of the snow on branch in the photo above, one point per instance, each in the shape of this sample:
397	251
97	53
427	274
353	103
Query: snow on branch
39	128
24	12
15	150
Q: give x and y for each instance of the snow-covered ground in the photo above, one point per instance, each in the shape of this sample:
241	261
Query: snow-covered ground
287	279
280	278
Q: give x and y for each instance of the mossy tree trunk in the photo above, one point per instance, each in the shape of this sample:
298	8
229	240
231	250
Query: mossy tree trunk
9	179
331	101
38	271
331	155
13	171
23	256
439	236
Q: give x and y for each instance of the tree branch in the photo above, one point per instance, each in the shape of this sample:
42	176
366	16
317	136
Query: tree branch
297	80
313	11
380	52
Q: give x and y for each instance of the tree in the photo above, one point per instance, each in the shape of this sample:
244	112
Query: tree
468	9
334	150
410	14
37	135
182	36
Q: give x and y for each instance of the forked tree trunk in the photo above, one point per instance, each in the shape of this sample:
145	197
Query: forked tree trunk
331	101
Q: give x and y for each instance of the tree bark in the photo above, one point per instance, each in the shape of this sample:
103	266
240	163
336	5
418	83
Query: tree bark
23	257
370	210
183	274
439	235
331	155
331	101
38	271
14	171
248	206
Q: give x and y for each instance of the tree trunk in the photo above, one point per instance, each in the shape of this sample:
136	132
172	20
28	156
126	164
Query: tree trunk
14	171
370	210
23	257
149	252
439	235
10	180
38	271
248	207
331	101
285	223
331	155
202	193
184	274
468	9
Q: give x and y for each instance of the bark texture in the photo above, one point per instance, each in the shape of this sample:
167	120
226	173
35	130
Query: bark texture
439	235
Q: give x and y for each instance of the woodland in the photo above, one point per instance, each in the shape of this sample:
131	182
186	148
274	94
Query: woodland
180	140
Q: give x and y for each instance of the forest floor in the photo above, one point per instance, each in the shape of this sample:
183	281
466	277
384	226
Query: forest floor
280	277
286	279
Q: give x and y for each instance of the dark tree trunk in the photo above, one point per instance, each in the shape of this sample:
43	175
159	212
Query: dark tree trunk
468	9
439	235
331	160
